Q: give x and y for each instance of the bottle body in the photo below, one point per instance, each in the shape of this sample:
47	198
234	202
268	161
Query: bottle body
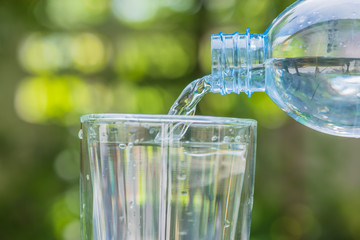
310	65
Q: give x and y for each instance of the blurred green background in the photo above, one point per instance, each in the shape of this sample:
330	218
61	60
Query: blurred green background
64	58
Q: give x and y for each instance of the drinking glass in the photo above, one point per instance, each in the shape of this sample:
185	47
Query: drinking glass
162	177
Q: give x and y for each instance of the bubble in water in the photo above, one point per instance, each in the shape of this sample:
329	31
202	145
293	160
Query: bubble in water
136	141
91	133
83	205
214	138
237	139
186	103
87	177
122	146
152	130
131	204
226	139
80	134
324	110
130	144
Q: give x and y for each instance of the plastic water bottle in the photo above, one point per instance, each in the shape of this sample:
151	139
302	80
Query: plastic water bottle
307	61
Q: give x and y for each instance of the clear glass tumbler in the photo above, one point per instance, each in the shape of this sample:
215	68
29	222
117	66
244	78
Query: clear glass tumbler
150	177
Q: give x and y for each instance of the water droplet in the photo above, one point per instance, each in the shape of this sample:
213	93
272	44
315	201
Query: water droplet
152	130
136	141
131	204
133	178
231	130
87	177
214	138
237	139
130	144
83	205
91	133
181	177
80	134
227	223
182	233
122	146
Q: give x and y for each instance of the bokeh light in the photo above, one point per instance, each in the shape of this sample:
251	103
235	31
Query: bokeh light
45	53
156	55
135	11
48	53
89	53
214	5
59	99
181	5
67	165
70	14
65	215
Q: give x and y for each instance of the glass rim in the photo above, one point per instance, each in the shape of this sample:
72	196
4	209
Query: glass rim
162	118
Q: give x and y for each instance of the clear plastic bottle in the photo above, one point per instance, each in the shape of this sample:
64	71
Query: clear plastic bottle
307	61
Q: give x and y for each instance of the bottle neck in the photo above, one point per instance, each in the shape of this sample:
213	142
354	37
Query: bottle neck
237	63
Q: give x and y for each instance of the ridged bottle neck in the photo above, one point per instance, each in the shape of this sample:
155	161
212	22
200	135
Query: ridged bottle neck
237	63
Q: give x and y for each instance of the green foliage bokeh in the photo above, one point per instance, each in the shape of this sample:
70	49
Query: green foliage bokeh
64	58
